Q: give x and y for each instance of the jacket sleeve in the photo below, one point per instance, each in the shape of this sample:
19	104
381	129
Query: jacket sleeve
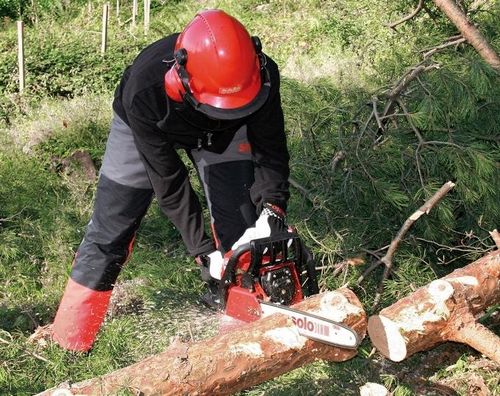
266	134
170	181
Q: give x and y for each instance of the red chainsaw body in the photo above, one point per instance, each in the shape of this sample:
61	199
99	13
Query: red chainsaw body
275	278
270	275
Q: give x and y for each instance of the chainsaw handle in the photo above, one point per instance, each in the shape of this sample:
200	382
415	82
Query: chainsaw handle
230	271
257	248
233	260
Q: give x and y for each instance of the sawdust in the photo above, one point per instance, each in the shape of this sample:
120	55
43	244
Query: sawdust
41	336
177	316
169	314
125	299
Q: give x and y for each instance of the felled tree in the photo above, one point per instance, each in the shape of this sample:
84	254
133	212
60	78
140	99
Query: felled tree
437	121
237	360
444	310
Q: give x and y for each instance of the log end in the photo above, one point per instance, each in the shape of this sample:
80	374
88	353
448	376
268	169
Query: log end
387	338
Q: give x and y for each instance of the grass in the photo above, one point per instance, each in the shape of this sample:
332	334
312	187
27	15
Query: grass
334	55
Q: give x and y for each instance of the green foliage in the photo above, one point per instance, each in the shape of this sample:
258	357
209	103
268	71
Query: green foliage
391	179
29	200
66	64
12	8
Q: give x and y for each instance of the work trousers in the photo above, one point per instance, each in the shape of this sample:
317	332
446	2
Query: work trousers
123	195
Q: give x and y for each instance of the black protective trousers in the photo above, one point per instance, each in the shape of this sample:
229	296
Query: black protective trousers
123	196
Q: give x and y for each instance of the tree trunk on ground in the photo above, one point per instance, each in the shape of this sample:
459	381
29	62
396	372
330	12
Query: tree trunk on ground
444	310
228	363
469	31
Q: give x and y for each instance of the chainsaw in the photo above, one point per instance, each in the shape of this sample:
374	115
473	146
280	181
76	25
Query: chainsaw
270	275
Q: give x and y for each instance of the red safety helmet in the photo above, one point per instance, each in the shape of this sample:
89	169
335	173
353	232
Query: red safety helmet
219	69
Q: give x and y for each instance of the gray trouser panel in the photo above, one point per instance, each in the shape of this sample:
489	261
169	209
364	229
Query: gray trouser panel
122	162
118	211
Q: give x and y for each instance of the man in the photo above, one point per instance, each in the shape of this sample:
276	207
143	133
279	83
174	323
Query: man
212	92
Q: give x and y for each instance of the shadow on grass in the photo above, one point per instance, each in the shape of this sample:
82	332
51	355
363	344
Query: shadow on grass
24	319
410	377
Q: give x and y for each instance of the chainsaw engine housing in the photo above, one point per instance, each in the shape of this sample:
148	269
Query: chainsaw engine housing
266	269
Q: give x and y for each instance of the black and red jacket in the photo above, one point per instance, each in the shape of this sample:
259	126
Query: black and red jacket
161	126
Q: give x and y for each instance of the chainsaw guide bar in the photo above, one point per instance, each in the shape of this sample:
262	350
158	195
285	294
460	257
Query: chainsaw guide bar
315	327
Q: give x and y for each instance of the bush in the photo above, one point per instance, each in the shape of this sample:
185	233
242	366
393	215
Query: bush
65	64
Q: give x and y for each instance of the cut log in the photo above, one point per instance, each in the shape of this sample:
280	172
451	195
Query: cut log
444	310
228	363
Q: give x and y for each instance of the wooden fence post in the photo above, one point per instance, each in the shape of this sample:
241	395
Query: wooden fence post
105	14
34	10
147	7
134	12
20	54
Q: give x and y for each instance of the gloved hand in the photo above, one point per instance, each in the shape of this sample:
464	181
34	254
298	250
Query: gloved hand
271	221
212	265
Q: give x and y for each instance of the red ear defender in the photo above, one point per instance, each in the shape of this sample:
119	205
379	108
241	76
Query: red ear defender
173	84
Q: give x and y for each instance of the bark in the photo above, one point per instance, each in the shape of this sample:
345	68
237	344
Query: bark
469	31
477	336
444	310
228	363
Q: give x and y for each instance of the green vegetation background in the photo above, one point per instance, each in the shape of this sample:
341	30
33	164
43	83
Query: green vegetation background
335	56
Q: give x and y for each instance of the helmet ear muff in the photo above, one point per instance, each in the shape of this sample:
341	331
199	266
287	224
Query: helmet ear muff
177	79
173	84
257	44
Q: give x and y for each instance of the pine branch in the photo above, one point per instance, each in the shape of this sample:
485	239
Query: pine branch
339	156
306	193
456	42
411	15
397	90
376	114
358	143
410	75
387	259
